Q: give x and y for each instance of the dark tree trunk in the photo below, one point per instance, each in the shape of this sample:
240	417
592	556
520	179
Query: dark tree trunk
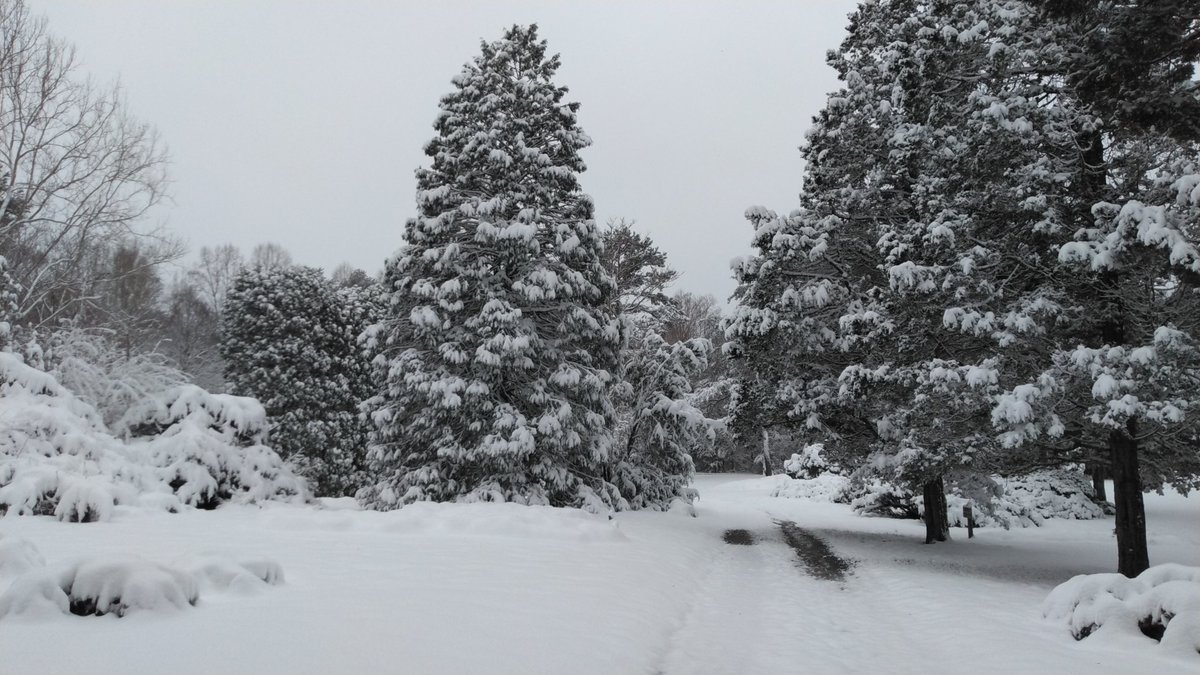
1133	555
1100	492
766	452
937	526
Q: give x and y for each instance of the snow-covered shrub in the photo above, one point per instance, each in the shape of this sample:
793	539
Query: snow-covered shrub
34	594
58	458
1025	501
237	418
1162	602
8	305
89	364
874	497
289	339
207	448
97	587
120	585
826	487
810	463
1058	493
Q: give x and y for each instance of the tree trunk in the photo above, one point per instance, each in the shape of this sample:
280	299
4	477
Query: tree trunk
1100	492
1133	555
937	525
766	453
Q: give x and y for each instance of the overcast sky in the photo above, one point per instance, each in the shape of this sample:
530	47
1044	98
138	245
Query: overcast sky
302	122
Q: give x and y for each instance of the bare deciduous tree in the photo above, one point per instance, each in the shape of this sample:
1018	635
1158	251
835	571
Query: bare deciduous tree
695	316
77	172
214	273
270	255
346	275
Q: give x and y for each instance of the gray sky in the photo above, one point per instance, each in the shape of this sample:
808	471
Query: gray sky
302	122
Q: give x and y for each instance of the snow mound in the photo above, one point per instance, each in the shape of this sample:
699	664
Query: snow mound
34	595
501	519
219	572
18	556
1162	603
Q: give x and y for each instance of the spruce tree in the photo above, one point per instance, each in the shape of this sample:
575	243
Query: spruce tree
291	342
497	353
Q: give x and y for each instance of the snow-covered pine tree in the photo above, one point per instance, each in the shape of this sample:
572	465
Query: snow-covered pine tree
291	342
653	462
1007	197
639	269
908	278
497	354
1119	385
658	426
961	254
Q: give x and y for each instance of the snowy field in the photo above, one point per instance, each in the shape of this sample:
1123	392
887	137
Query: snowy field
500	588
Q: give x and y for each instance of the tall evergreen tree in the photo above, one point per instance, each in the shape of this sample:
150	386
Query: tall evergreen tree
498	352
982	241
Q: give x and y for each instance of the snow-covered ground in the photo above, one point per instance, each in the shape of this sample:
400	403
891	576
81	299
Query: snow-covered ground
500	588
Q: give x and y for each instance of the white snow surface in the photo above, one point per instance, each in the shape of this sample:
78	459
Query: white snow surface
501	588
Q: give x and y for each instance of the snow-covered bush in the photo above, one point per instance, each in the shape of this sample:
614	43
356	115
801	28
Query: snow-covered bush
810	463
289	339
1024	501
8	305
826	487
207	447
874	497
120	585
236	418
1058	493
1162	602
58	458
98	372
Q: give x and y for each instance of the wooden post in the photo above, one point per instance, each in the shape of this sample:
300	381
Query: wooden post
969	514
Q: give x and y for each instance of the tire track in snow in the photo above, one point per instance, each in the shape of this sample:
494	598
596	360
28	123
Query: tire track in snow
757	611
